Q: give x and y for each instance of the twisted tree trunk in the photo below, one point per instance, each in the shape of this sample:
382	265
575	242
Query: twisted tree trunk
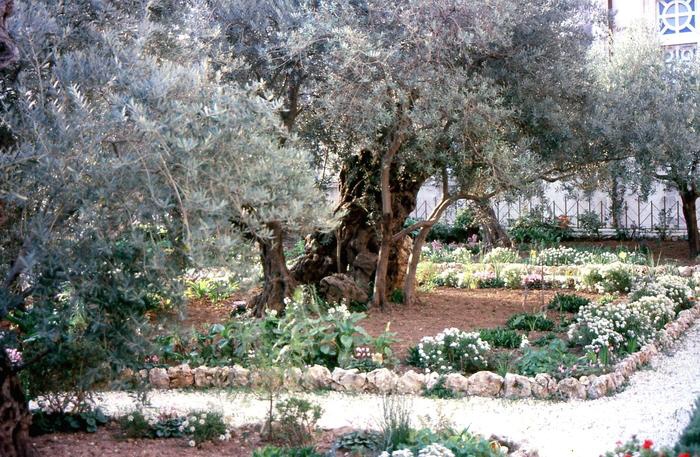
689	199
9	54
278	281
15	418
354	247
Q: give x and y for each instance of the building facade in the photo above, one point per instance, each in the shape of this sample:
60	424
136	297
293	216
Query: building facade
675	20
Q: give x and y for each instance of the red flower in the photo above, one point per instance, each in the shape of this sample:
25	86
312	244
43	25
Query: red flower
647	444
684	454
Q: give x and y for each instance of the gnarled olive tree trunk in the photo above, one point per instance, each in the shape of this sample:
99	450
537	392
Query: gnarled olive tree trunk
15	418
278	283
354	247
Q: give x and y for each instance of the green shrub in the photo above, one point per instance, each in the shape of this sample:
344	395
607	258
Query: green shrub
296	421
535	229
690	437
530	322
554	359
135	425
569	303
360	441
59	422
591	224
396	296
501	337
202	426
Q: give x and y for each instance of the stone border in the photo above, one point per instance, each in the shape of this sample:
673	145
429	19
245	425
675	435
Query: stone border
383	380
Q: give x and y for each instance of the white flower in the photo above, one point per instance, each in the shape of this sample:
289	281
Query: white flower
191	443
201	421
130	418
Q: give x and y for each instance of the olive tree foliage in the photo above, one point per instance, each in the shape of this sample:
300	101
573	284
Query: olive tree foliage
133	160
650	108
393	93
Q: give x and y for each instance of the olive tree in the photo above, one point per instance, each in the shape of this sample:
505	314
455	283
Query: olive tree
649	106
133	160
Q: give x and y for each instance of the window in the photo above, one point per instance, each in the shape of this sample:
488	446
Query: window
677	16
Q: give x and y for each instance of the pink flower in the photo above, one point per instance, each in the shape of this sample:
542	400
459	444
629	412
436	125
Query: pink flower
14	355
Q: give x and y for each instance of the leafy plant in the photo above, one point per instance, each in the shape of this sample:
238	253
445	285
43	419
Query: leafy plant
554	359
396	296
60	422
590	222
689	441
501	337
202	426
569	303
530	322
360	441
534	228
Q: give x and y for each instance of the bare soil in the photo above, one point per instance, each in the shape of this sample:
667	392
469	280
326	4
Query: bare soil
465	309
107	442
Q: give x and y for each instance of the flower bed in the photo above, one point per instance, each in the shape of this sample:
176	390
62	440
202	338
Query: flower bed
383	380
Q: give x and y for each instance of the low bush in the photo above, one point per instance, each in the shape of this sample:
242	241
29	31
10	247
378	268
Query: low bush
453	350
689	442
360	442
501	337
675	288
203	426
296	421
568	303
554	359
61	422
535	229
165	425
530	322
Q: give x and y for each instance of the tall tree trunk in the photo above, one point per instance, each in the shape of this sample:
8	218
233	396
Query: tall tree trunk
494	234
278	282
689	199
353	247
617	200
15	418
409	285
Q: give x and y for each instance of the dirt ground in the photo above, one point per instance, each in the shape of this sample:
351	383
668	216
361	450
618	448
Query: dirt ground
106	442
466	309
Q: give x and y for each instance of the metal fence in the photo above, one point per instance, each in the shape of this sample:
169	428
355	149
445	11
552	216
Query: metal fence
636	215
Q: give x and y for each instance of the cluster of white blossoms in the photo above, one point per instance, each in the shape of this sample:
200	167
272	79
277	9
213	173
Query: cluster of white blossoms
613	325
431	450
453	350
676	288
569	256
339	312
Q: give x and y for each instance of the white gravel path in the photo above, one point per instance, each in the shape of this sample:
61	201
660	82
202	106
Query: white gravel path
656	405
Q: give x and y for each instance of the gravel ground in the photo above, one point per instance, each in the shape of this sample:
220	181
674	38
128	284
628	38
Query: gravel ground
655	405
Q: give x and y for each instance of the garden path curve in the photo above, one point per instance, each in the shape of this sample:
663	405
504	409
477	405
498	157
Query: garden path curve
655	405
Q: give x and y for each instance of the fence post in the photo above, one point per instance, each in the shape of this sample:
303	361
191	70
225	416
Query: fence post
601	212
651	226
678	216
577	218
639	214
626	208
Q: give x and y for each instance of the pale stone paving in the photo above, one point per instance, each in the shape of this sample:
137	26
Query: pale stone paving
656	405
